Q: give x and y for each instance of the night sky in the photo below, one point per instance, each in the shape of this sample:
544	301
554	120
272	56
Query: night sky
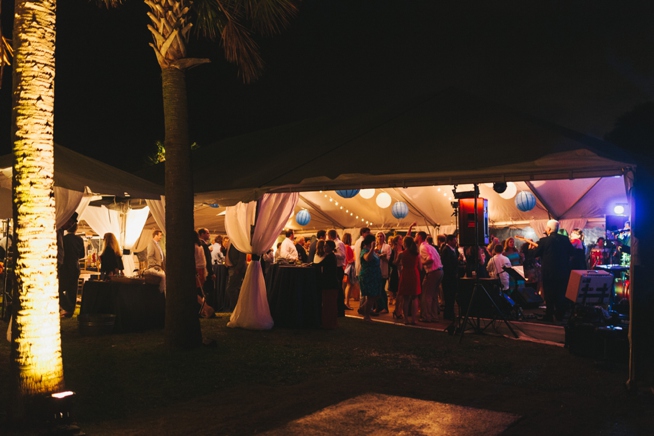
578	64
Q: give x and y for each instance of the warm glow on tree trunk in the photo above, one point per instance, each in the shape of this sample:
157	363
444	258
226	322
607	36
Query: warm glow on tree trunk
36	353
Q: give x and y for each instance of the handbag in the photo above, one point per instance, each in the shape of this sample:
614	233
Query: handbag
206	311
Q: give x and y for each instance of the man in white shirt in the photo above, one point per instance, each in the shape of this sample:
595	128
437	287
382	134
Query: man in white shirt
157	260
496	265
288	250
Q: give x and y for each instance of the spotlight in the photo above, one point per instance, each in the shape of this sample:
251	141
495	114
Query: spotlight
499	187
619	209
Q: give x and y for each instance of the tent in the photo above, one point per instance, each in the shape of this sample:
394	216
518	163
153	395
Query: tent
108	199
437	141
416	152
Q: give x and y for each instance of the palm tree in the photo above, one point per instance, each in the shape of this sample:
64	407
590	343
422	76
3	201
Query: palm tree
233	23
36	362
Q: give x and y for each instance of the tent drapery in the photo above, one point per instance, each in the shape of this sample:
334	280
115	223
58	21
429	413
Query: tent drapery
268	216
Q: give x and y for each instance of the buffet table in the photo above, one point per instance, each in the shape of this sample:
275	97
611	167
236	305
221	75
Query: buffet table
293	296
138	306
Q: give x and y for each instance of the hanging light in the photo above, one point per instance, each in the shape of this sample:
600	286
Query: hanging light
400	210
525	201
510	192
367	193
303	217
347	193
384	200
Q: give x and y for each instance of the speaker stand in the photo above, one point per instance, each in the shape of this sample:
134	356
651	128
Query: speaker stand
476	324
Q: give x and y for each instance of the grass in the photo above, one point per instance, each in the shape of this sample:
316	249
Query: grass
258	380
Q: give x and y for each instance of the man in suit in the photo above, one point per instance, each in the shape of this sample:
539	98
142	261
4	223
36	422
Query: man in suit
236	262
554	251
157	260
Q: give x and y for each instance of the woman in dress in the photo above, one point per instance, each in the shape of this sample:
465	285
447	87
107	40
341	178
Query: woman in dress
111	259
394	275
516	258
350	274
370	277
409	285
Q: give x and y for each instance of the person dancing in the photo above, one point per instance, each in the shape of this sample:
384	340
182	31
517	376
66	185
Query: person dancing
409	288
370	277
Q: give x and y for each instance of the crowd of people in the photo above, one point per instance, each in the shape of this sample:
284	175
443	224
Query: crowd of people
411	272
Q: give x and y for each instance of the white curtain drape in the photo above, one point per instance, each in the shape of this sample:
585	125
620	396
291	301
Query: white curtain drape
134	223
158	211
67	202
252	311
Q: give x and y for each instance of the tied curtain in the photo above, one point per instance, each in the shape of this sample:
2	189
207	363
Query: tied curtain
126	226
253	228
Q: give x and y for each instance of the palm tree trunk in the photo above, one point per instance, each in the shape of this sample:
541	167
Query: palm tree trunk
182	323
36	362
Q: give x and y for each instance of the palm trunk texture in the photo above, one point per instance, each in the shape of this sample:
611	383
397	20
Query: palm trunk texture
36	362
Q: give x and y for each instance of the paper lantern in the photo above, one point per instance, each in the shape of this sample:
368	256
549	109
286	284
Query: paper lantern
347	193
303	217
510	192
384	200
400	210
367	193
525	201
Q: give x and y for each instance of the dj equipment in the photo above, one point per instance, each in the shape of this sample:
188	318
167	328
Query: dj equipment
590	287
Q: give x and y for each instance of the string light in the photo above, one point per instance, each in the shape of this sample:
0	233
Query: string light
347	211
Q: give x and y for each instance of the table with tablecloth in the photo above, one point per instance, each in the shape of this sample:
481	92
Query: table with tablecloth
222	277
293	296
137	305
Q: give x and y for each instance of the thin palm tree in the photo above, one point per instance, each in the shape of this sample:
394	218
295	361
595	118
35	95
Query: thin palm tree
36	362
233	23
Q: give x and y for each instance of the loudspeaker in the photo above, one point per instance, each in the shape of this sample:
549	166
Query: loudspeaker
527	297
467	221
482	307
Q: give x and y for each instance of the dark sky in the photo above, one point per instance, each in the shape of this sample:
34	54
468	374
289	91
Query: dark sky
578	64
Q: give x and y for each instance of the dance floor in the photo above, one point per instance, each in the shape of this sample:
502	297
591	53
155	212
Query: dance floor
380	414
529	329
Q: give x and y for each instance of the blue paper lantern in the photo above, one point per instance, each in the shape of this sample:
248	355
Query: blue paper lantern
347	193
400	210
303	217
525	201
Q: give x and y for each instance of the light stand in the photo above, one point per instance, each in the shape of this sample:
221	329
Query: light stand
477	286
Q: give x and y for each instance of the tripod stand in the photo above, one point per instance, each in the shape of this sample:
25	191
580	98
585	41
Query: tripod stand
478	288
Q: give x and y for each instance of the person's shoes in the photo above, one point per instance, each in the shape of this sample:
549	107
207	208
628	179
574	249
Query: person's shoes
397	316
348	307
360	311
381	312
373	313
64	314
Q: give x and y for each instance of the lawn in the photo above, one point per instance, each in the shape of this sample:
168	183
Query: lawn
254	381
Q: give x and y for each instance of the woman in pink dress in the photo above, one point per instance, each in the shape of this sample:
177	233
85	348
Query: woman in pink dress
409	287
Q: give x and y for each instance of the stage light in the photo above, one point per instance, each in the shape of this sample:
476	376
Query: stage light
619	209
499	187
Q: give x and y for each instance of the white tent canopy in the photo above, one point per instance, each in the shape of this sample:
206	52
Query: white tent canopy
79	181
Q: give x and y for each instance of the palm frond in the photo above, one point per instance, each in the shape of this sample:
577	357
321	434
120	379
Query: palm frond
208	18
108	3
242	50
270	17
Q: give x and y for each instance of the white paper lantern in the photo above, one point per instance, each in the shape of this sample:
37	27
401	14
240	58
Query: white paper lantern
367	193
384	200
511	191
